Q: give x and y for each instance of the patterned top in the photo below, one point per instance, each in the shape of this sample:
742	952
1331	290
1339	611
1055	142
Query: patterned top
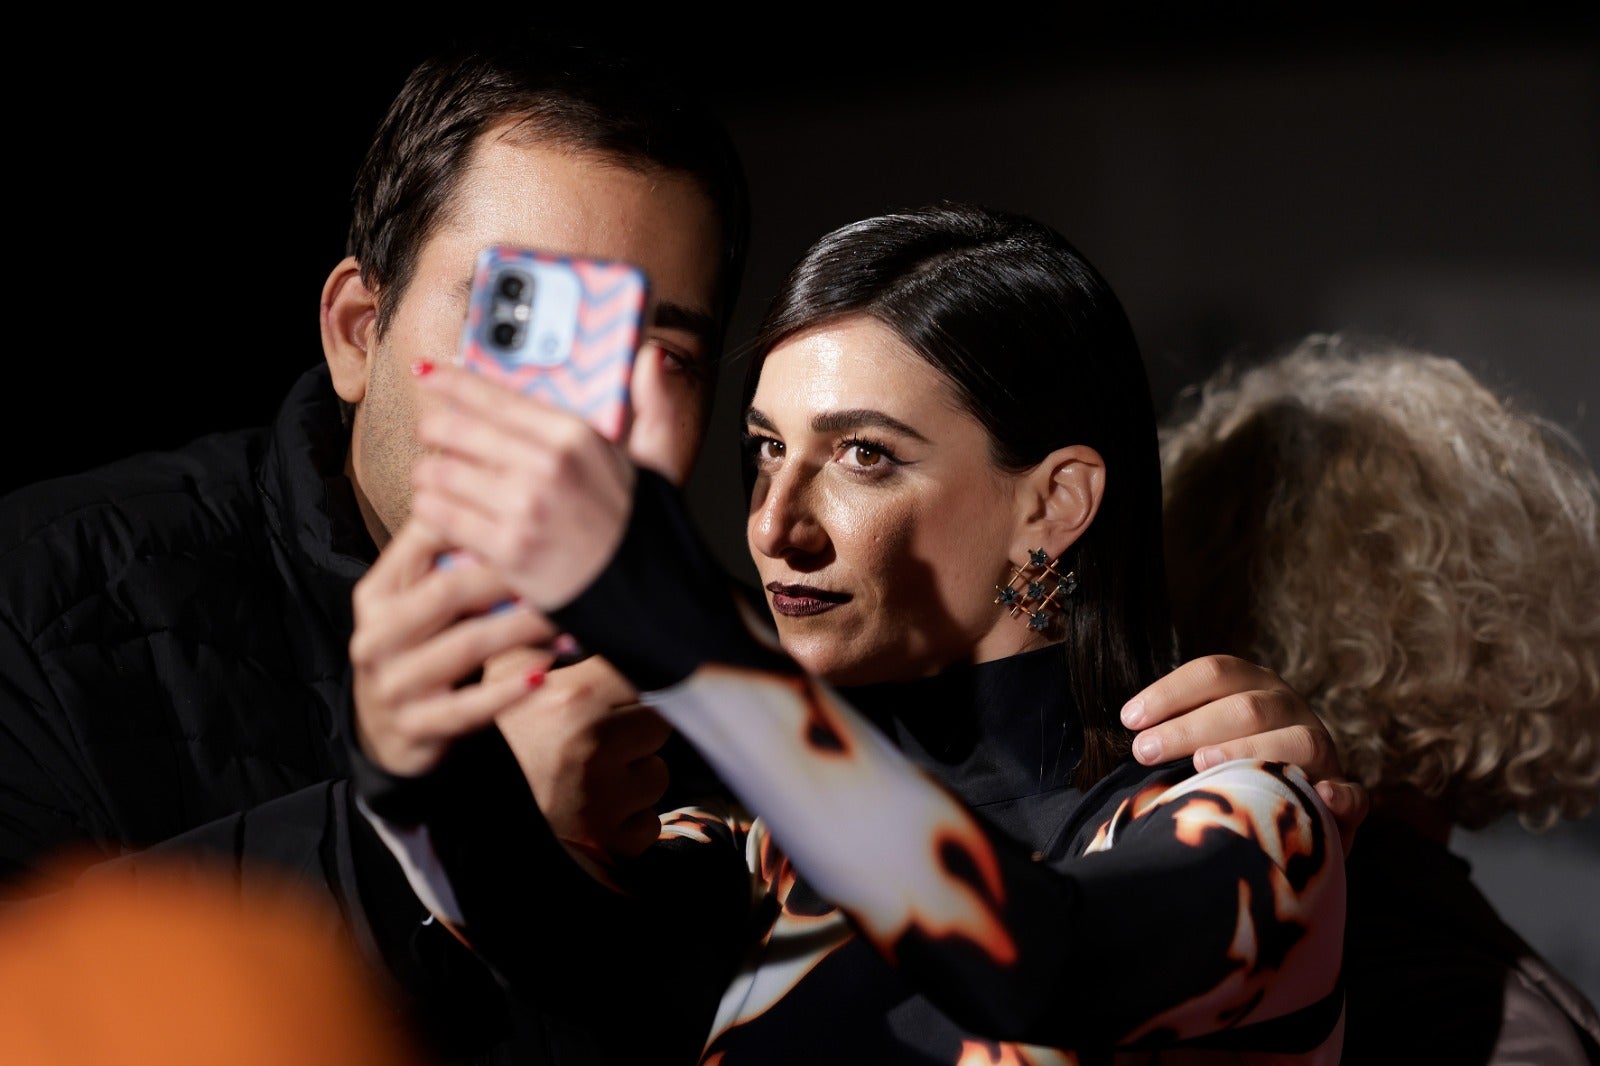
900	873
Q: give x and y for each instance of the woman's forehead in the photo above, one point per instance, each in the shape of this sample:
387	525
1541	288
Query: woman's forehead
856	362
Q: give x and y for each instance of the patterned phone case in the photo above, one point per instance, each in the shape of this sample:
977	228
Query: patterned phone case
568	335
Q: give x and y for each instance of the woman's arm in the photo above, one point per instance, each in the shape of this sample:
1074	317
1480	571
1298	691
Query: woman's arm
1011	945
1203	903
451	802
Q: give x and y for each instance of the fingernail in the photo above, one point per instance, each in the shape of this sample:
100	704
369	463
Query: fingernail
1330	796
535	678
422	368
1133	714
1206	758
1147	746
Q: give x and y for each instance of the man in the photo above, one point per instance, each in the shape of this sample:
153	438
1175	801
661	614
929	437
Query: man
174	669
174	657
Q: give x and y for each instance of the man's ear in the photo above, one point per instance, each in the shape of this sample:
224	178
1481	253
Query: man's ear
1060	497
349	329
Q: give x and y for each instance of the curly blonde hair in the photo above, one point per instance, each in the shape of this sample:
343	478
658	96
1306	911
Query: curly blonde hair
1416	556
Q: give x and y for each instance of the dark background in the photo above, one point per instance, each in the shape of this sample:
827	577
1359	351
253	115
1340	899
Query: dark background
179	193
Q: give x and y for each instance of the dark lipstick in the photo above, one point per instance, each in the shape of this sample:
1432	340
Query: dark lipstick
800	601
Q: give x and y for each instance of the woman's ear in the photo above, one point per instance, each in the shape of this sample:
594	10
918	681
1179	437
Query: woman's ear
1060	498
349	329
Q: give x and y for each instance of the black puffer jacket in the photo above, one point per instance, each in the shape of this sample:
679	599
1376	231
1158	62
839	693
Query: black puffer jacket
174	681
175	631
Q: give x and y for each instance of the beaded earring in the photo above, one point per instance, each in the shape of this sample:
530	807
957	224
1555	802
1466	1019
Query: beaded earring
1036	593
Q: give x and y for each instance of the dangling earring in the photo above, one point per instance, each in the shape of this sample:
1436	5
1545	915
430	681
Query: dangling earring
1037	592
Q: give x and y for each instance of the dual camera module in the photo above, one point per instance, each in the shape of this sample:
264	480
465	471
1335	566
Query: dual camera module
532	314
513	306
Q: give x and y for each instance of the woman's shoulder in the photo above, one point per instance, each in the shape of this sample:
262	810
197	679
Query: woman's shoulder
1242	795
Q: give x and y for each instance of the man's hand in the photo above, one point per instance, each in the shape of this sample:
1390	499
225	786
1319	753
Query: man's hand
1219	707
421	633
590	753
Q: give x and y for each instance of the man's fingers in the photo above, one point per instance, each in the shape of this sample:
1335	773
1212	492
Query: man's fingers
1349	803
1310	749
1194	684
426	727
1233	722
444	625
392	617
520	661
1291	744
408	555
463	648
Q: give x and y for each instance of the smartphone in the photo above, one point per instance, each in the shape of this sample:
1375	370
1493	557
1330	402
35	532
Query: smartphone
562	328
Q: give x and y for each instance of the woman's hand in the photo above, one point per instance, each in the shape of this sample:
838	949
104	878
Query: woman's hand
590	752
421	634
533	491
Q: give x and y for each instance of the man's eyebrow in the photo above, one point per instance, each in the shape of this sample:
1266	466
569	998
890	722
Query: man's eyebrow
841	421
677	316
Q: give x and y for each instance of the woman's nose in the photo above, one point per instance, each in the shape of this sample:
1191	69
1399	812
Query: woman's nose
783	521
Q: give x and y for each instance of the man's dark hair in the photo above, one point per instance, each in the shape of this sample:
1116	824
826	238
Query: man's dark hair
560	87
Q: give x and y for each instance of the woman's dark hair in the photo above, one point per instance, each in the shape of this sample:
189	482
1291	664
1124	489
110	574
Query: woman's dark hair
1039	350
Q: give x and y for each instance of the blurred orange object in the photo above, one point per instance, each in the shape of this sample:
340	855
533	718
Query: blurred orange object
173	965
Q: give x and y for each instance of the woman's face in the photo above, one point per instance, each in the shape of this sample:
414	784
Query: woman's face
878	522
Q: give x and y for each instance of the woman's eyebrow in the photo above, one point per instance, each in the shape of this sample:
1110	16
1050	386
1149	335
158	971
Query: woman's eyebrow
841	421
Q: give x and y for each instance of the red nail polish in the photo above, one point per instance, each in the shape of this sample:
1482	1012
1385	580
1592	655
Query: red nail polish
422	368
535	678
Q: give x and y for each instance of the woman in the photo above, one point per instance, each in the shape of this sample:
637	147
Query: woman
1423	560
944	851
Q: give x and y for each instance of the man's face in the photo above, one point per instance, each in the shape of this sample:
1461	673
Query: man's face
540	196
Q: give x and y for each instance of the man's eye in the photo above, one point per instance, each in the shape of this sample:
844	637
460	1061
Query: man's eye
682	363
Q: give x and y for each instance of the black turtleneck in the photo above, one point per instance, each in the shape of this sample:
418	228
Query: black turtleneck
1004	735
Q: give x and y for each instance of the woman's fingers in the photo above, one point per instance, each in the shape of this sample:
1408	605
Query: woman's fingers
535	492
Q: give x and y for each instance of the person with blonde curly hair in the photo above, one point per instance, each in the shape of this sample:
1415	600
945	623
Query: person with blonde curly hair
1420	558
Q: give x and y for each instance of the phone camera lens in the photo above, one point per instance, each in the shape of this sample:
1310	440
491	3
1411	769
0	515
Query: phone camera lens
512	286
504	333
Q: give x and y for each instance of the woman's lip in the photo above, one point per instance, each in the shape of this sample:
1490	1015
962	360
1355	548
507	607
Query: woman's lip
799	601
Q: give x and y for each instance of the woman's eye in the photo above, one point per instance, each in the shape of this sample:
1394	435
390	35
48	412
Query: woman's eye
759	449
865	454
